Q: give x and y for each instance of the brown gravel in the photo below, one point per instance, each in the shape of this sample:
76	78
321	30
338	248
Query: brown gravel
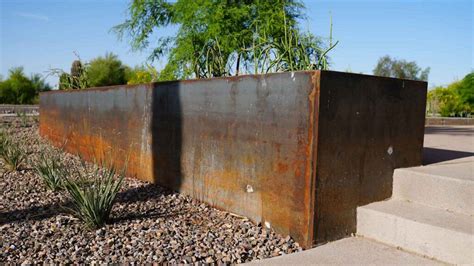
149	223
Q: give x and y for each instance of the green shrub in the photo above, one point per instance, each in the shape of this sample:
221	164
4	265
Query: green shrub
17	89
106	71
51	170
92	201
457	99
12	154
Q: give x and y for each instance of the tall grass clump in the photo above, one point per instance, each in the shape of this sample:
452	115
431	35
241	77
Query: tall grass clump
51	171
24	121
11	153
92	201
293	51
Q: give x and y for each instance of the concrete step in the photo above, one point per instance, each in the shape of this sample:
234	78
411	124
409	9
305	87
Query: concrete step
448	185
350	251
418	228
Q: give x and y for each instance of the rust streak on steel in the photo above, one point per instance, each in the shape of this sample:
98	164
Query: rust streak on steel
264	146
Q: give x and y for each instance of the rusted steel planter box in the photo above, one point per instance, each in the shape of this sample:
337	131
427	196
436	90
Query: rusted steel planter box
295	151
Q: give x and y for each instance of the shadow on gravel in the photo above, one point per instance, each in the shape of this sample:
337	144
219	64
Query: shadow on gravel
36	213
132	195
142	193
433	155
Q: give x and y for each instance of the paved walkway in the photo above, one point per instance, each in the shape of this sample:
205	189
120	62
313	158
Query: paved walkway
449	150
354	251
446	143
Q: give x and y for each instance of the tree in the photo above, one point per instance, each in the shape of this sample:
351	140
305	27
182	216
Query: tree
466	89
457	99
214	38
394	68
106	71
39	83
17	88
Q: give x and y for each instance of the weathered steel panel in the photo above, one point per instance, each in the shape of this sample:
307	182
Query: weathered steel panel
242	144
296	151
368	126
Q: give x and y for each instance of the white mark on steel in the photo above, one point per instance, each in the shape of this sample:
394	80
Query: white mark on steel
249	189
293	76
267	224
390	150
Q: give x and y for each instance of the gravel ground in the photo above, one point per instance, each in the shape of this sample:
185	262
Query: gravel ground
149	223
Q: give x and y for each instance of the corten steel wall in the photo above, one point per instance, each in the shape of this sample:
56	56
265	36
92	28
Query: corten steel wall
368	126
299	151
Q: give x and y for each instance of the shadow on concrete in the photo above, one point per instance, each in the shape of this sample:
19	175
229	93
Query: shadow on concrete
449	130
433	155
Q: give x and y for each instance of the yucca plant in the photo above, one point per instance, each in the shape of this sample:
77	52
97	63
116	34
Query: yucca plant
51	170
92	201
23	118
12	153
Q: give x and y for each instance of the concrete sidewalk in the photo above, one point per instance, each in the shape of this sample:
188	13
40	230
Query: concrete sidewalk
352	250
448	152
447	143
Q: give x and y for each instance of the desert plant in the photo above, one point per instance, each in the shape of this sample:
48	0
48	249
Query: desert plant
51	170
92	201
12	154
23	118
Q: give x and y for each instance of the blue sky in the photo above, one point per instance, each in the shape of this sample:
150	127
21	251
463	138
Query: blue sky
40	35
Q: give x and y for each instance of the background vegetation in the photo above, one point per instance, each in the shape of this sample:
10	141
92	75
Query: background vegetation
455	100
399	68
20	89
105	70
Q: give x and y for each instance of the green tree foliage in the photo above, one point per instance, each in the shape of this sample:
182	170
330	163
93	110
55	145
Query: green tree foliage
394	68
39	83
215	38
142	74
457	99
100	71
106	71
466	89
19	89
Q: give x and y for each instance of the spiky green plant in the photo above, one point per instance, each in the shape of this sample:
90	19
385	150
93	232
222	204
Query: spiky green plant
12	153
3	139
51	170
23	118
92	201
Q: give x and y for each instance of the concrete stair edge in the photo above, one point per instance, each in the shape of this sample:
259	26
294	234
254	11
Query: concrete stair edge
416	228
448	193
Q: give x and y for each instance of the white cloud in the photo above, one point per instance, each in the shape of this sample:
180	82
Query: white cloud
33	16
